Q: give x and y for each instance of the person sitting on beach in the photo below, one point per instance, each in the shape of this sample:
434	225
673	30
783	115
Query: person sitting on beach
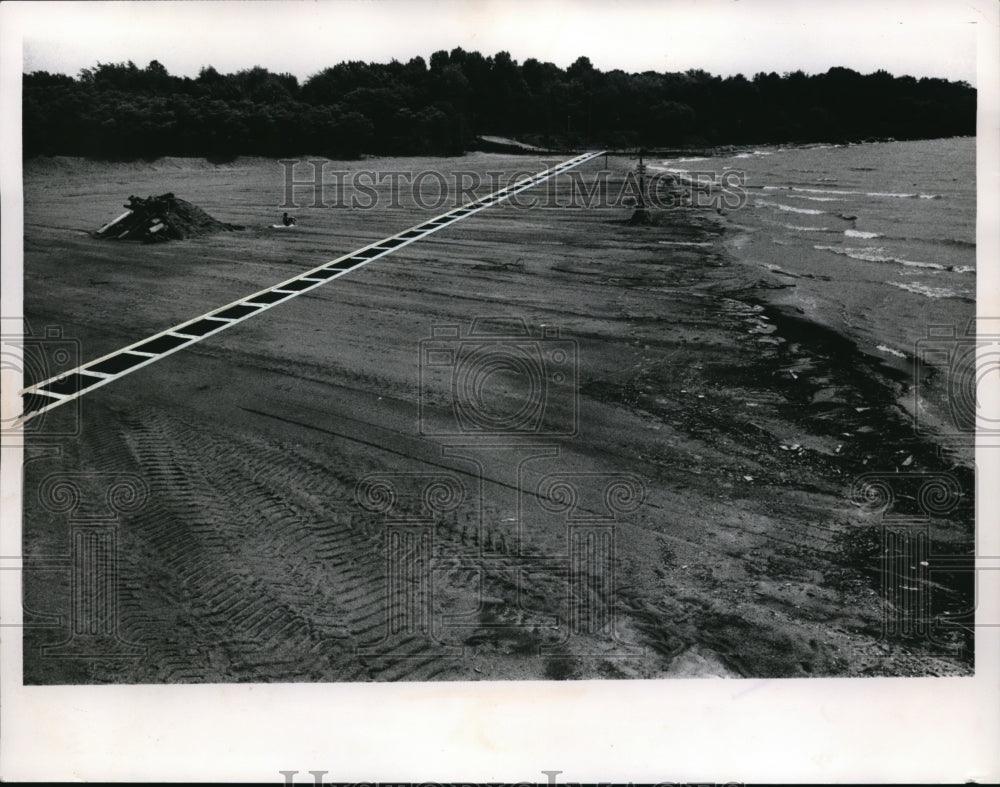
287	220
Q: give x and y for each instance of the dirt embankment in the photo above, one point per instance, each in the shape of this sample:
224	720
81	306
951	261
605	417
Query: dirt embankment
254	557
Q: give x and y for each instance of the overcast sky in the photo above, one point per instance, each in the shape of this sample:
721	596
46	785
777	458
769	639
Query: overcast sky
916	37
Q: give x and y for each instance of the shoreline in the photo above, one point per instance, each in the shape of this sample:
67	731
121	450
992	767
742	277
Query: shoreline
894	369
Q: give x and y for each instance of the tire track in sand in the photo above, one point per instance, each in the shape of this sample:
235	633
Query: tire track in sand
248	564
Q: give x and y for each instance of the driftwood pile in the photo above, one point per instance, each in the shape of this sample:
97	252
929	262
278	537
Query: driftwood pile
161	218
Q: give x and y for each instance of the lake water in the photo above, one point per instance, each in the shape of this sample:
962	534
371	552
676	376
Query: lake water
891	224
877	239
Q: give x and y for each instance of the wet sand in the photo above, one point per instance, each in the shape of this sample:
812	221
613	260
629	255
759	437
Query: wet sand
745	422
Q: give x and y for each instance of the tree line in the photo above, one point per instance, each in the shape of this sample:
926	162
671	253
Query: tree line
122	111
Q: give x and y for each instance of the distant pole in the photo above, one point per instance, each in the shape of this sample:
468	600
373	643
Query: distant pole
641	215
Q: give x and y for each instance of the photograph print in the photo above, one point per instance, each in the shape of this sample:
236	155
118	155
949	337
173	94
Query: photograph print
355	347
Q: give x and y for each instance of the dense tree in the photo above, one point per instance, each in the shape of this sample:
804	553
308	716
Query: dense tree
119	110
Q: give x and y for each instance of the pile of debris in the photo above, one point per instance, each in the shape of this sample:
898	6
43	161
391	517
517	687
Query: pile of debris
161	218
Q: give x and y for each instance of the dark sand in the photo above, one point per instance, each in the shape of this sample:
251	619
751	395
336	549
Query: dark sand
252	560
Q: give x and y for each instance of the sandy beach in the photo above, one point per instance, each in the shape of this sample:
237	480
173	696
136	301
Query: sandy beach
745	423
